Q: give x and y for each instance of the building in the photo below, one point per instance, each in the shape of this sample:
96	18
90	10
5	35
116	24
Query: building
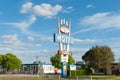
1	69
115	68
30	68
37	69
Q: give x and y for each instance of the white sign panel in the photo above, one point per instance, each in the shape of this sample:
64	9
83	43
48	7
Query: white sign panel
72	67
48	68
64	58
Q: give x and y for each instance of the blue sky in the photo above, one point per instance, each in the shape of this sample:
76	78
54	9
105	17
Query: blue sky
27	26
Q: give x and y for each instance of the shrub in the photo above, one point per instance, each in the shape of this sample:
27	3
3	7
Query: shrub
79	72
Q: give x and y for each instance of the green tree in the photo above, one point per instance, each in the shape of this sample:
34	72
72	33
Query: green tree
99	57
55	60
1	59
11	62
70	60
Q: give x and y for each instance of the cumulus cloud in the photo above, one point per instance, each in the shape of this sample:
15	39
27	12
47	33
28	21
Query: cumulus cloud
26	7
44	9
100	21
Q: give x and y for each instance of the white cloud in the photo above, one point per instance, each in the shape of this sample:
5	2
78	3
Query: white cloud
85	41
46	38
100	21
79	51
30	38
23	25
113	43
46	10
90	6
26	7
116	51
38	45
12	44
42	38
14	41
67	10
11	39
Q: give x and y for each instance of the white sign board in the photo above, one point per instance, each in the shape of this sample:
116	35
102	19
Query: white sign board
64	58
73	67
48	68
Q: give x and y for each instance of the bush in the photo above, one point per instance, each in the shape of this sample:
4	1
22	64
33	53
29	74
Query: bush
79	72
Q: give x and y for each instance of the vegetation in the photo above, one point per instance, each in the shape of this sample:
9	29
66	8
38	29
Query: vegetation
11	77
55	60
1	58
80	72
84	71
99	57
10	61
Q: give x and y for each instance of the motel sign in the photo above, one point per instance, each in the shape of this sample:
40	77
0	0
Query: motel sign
64	40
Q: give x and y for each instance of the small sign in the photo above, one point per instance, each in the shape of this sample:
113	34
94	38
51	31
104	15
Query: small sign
64	58
72	67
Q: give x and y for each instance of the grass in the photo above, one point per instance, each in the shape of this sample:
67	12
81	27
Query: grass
106	77
31	77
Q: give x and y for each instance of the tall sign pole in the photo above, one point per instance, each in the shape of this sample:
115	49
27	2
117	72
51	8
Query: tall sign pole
64	40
